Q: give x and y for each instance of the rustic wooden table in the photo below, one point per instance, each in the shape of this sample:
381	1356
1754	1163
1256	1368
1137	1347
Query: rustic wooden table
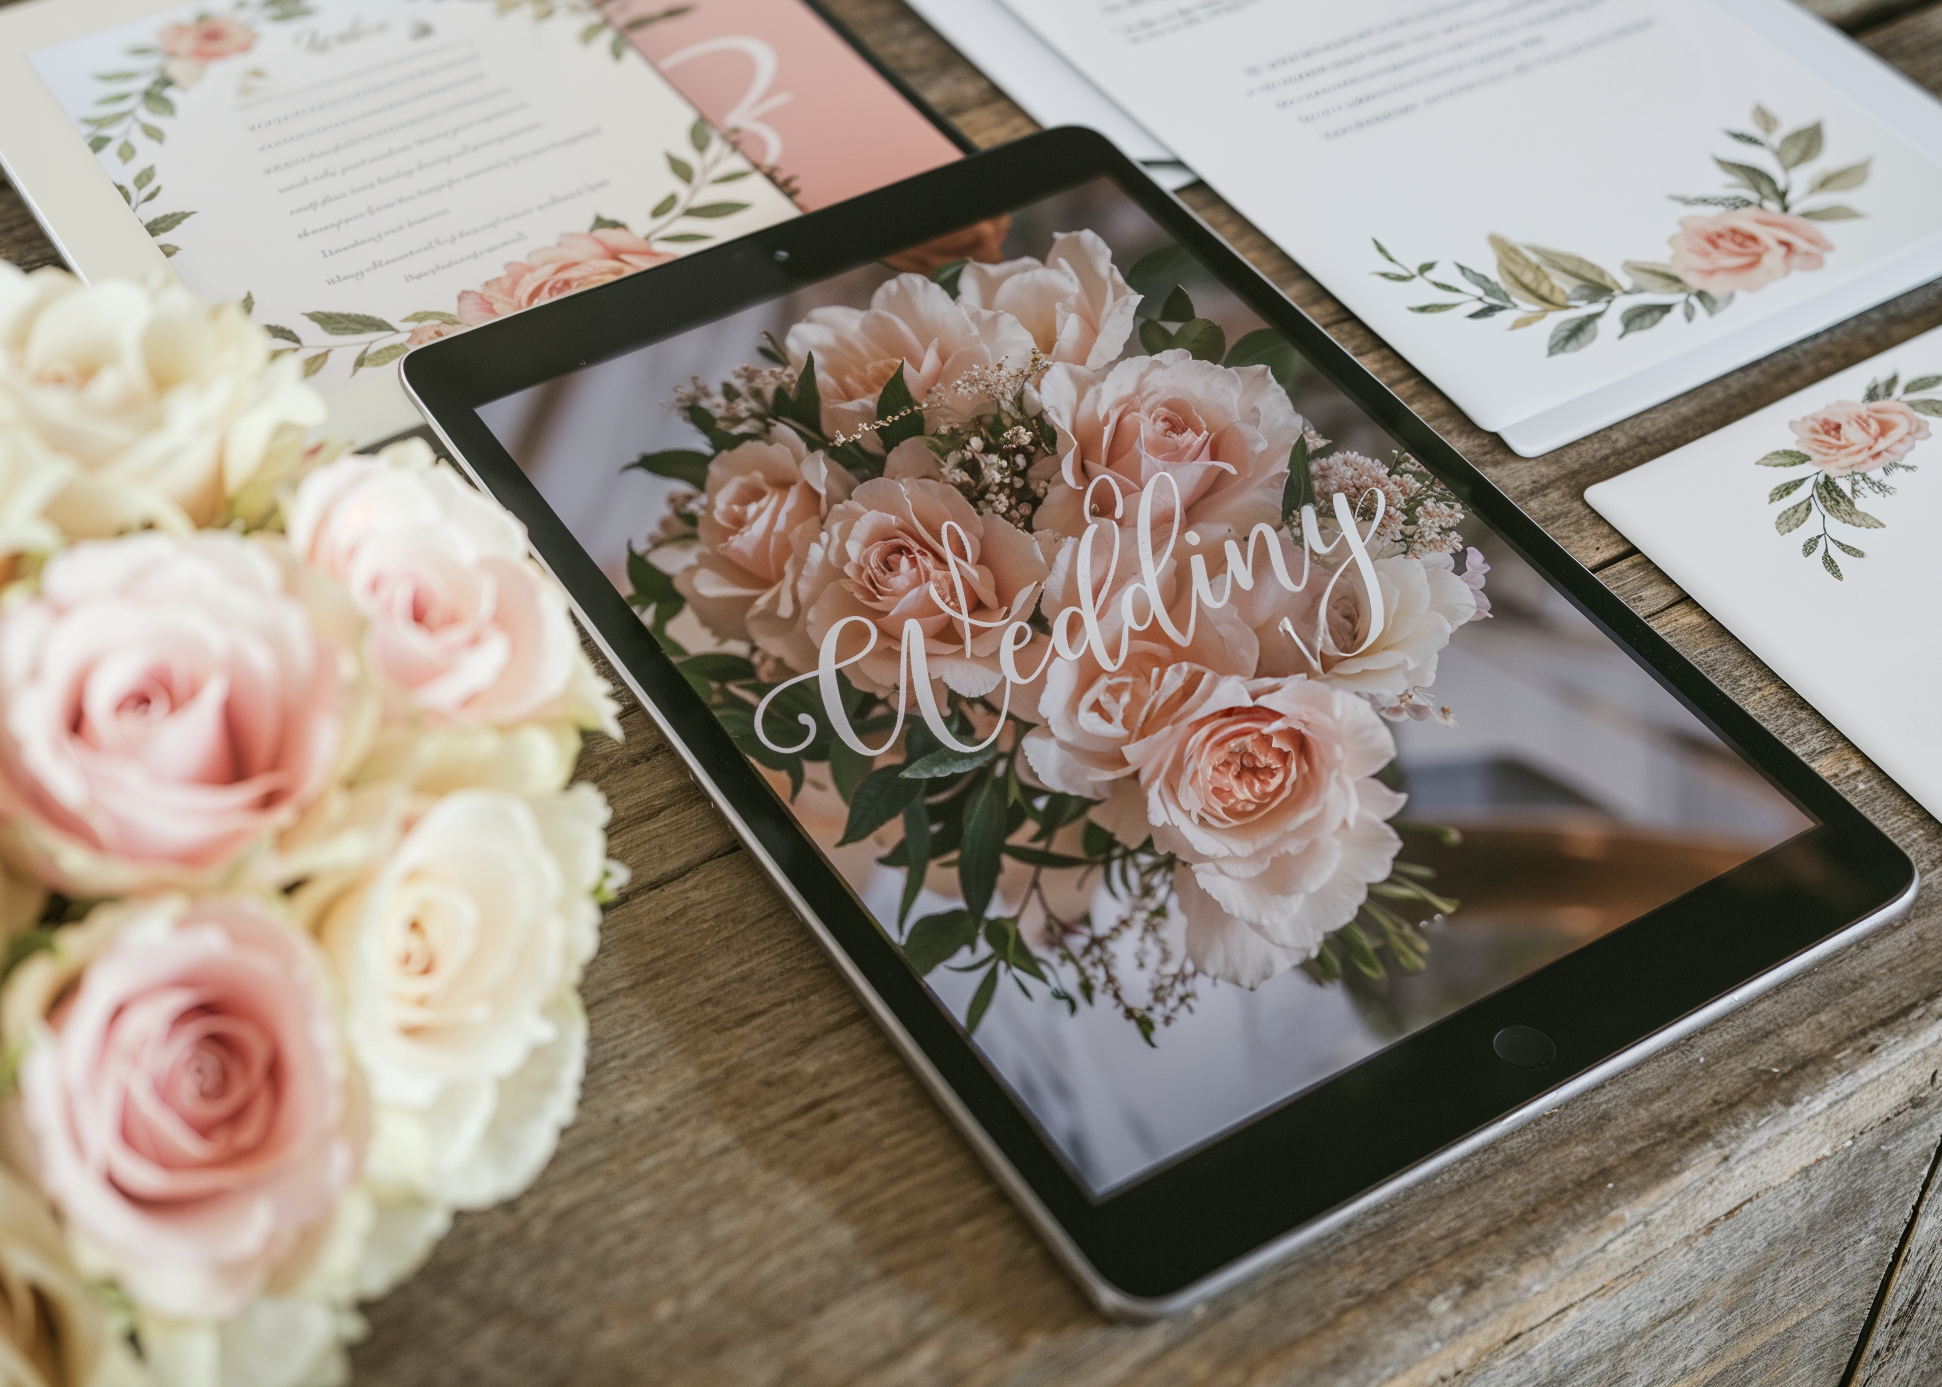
757	1191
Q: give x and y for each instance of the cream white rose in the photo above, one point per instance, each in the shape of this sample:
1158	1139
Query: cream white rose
160	408
459	618
458	955
1075	303
53	1330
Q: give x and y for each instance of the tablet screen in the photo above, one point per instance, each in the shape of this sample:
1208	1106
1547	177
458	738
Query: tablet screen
1193	741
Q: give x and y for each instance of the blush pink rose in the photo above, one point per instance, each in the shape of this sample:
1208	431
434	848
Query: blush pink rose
1264	789
911	323
1221	435
185	1094
207	39
165	706
903	547
1847	437
1745	249
459	617
1075	303
579	260
762	509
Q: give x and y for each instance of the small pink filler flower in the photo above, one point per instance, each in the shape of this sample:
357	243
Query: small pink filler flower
1846	437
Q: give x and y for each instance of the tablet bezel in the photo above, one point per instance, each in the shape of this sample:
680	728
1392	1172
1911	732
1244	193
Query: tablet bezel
1250	1196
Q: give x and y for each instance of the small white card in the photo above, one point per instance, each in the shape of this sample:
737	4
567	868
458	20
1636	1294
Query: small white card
370	174
1559	213
1808	530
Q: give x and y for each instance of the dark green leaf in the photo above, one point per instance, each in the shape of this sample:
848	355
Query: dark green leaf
1154	338
1361	954
680	464
1038	857
1393	275
665	206
1641	316
1800	147
847	768
1299	489
1265	347
1002	936
1587	293
1827	562
879	799
1489	310
917	855
1433	307
946	276
1847	549
1177	308
1202	338
1813	541
683	170
980	1000
944	763
807	406
349	324
718	667
1793	517
738	720
1786	489
936	938
717	209
1573	334
1170	264
1879	389
650	586
984	839
1784	457
599	223
1744	138
895	400
684	237
1383	252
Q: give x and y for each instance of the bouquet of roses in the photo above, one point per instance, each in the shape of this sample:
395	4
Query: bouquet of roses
296	892
1054	601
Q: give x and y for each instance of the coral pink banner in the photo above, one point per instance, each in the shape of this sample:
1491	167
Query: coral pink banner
800	102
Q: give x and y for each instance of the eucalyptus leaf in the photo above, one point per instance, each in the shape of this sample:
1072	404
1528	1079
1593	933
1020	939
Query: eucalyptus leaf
1793	517
1573	334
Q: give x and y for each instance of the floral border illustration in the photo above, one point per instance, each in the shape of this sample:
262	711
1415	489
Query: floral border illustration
1760	233
1856	442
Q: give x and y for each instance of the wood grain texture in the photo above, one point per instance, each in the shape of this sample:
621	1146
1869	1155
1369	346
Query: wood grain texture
757	1191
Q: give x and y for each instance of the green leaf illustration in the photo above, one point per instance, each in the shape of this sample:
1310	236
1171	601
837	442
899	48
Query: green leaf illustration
97	143
1714	304
1380	274
380	356
145	177
1921	383
168	221
685	236
1765	119
1746	138
1800	147
1793	517
1930	407
1786	489
152	131
124	151
718	209
1758	181
1813	543
1879	388
937	938
283	334
665	205
1839	506
600	223
683	170
699	135
1842	179
1525	278
313	364
1380	250
432	315
1847	548
1784	457
1575	266
807	407
1836	213
1641	316
349	324
1490	287
1573	334
1433	307
156	102
1827	562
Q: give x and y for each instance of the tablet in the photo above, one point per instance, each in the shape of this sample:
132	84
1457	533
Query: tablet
1231	805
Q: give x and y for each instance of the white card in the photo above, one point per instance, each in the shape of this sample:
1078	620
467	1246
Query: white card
375	173
1433	127
1848	470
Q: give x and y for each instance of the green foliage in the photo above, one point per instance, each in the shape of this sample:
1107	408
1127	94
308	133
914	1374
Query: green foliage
679	464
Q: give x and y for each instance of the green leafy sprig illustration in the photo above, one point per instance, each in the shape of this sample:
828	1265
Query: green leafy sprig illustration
1537	282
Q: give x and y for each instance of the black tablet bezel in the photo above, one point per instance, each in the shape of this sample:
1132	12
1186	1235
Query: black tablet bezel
1193	1224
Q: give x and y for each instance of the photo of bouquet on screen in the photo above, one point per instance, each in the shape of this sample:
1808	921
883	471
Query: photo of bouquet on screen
1051	601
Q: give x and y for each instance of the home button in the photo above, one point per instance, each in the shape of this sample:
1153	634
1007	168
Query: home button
1524	1046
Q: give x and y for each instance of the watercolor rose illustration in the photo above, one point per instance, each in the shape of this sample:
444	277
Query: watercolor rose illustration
985	514
1851	448
1767	226
295	885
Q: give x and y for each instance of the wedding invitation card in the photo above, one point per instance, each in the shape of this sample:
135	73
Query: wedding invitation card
1803	529
1560	213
